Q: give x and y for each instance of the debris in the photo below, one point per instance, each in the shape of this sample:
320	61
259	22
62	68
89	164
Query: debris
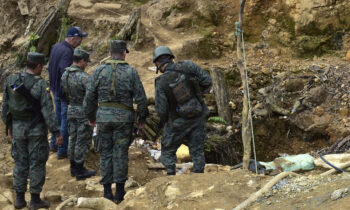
266	188
172	192
96	203
183	154
53	196
339	194
131	183
303	162
331	171
69	200
335	159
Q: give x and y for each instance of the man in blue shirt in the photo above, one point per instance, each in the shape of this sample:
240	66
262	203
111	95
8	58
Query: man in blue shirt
61	57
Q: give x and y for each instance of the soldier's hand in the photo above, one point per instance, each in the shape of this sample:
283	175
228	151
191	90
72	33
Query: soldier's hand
10	133
92	123
59	140
141	125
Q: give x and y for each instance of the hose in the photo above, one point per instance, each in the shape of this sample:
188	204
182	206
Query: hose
330	164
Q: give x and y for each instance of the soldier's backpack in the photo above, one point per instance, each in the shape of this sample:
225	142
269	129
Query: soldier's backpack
189	105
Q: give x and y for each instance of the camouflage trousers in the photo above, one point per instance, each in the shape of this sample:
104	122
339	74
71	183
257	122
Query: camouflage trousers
30	156
80	137
189	132
115	141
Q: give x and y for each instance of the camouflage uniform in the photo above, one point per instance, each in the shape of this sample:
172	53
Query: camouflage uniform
30	149
74	83
113	87
177	129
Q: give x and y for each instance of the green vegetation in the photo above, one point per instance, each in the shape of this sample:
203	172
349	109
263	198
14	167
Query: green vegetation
217	119
65	25
102	49
32	42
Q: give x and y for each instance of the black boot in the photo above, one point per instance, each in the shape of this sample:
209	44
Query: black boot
37	203
73	168
20	200
171	170
119	193
82	173
107	191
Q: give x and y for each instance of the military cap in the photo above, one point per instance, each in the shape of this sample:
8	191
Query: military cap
35	57
76	31
119	44
82	54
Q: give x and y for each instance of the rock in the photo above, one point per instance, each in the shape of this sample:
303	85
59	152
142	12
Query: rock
197	194
23	7
8	207
131	183
3	198
109	6
293	85
347	57
172	192
339	194
304	183
211	168
344	112
139	191
53	196
9	195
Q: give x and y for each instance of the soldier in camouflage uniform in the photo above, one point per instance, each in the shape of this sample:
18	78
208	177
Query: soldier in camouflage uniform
74	82
113	87
31	115
179	129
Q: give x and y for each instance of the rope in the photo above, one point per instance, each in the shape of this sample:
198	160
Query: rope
238	30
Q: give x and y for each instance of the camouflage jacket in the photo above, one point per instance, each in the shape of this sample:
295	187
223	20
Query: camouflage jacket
163	103
40	91
119	84
74	82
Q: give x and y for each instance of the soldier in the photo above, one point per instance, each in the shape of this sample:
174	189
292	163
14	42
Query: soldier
27	110
180	106
113	87
74	83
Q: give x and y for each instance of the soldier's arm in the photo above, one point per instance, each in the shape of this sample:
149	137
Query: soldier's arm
63	82
85	80
140	97
47	109
4	105
90	103
161	103
203	76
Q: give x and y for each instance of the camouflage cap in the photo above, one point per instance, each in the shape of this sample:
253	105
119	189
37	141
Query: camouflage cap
119	44
35	57
82	54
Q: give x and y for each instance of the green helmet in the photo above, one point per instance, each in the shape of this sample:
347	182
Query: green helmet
161	50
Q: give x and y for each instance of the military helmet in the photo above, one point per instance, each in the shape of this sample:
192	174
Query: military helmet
161	50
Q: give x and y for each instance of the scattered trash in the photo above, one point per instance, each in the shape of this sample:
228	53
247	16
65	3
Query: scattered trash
184	168
304	162
339	194
335	159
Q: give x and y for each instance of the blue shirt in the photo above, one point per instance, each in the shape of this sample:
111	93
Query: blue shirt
61	57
